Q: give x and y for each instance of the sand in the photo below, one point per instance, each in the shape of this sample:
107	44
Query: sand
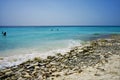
107	71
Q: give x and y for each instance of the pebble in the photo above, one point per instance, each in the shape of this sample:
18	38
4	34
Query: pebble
53	69
1	58
6	70
97	74
37	67
27	75
8	73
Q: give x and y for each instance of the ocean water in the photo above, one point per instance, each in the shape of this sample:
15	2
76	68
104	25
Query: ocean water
23	43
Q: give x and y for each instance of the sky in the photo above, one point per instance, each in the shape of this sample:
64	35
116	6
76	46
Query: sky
59	12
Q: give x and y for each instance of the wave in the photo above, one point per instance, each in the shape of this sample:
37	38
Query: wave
18	59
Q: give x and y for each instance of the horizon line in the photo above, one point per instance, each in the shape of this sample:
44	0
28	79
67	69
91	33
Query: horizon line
51	25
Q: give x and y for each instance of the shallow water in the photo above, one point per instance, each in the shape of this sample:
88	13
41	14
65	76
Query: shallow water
28	42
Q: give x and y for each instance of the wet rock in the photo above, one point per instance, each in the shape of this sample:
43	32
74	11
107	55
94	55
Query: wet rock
38	59
53	69
6	70
59	54
20	70
76	68
51	57
40	77
30	67
79	71
37	67
80	50
103	40
46	74
97	74
57	75
85	50
91	51
35	64
1	58
14	78
34	73
68	72
101	69
72	50
94	43
66	56
8	73
27	75
20	78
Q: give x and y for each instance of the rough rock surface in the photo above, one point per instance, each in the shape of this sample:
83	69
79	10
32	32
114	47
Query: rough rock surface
87	61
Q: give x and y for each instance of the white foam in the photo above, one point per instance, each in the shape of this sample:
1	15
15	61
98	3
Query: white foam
18	59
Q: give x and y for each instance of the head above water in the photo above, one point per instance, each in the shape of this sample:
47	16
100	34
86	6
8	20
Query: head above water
4	33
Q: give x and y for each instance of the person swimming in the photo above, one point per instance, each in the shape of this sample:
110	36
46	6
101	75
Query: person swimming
51	29
4	33
57	29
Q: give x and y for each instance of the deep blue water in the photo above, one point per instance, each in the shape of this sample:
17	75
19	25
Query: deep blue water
47	38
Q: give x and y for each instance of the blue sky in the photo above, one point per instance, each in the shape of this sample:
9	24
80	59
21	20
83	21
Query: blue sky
59	12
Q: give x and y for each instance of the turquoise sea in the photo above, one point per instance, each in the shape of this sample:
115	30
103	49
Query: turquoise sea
26	42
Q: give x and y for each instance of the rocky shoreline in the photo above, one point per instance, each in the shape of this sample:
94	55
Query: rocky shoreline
75	61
